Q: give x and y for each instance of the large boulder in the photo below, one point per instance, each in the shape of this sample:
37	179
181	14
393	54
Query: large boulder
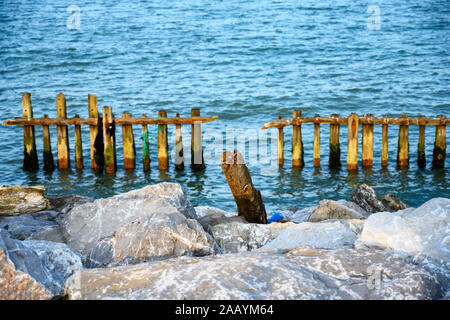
325	235
329	209
210	216
17	200
65	203
365	197
297	274
153	222
392	203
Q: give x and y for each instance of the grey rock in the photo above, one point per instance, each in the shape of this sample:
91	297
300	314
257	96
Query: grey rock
299	273
29	227
17	200
365	197
353	206
392	203
329	209
210	216
65	203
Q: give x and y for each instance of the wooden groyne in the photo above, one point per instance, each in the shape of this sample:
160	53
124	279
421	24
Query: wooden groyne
367	121
102	129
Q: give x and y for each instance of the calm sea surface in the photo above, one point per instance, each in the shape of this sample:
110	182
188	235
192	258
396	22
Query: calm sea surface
247	62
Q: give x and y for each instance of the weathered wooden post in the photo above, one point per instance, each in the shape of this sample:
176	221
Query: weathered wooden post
179	157
352	146
384	142
316	162
49	164
421	160
367	142
96	136
403	143
335	148
297	143
145	146
30	158
248	200
129	149
78	146
109	132
280	145
197	161
62	133
163	146
440	145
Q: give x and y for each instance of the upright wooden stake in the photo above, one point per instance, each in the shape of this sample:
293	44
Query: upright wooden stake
197	161
280	145
78	146
297	143
145	146
109	132
96	136
62	133
352	147
367	143
384	143
440	145
179	157
316	162
49	165
335	148
403	145
163	154
421	160
129	149
30	159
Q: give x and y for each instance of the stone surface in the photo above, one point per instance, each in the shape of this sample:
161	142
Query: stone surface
17	200
29	227
297	274
235	236
297	215
365	197
392	203
325	235
66	203
329	209
210	216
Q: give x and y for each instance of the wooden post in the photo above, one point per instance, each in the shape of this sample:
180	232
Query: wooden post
352	147
367	143
335	148
248	200
78	146
280	145
49	164
30	158
179	157
440	145
316	162
421	160
297	143
109	132
96	136
384	143
145	146
197	161
62	133
129	149
163	154
403	145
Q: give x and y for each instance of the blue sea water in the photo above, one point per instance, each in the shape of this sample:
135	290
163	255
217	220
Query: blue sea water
247	62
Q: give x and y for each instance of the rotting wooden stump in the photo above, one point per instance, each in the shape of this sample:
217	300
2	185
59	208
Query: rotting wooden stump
30	159
248	199
96	136
47	155
440	145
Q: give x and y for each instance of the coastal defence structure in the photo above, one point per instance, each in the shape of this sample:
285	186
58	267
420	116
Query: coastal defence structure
367	121
103	137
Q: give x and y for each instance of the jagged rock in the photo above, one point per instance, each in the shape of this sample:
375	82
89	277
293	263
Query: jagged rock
36	269
329	209
29	227
298	274
161	235
236	236
365	197
356	225
96	223
65	203
17	200
353	206
324	235
392	203
210	216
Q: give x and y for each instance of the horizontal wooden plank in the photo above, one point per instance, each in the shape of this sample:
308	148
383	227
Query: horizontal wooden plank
144	121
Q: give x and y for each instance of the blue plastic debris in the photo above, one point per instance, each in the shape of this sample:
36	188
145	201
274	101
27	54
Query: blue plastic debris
275	217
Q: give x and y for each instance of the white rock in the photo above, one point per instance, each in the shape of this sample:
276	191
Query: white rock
298	216
204	211
329	209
